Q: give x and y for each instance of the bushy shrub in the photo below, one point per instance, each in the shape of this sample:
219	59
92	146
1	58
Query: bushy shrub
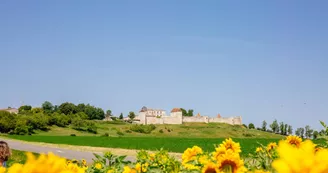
78	124
84	125
73	134
60	120
106	134
91	127
22	128
161	131
143	128
119	133
38	121
251	126
7	121
248	135
128	131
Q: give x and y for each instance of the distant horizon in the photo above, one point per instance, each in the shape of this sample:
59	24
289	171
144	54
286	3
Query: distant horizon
125	114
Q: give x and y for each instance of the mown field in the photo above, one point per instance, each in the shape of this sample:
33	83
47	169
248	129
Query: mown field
149	143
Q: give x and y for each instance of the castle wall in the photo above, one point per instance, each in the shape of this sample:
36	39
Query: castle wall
230	120
172	120
142	117
154	120
203	119
177	118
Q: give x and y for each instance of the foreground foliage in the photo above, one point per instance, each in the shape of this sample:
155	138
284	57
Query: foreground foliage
288	156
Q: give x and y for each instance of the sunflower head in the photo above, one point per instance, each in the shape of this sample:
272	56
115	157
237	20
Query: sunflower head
210	167
98	166
271	146
259	149
229	144
294	140
231	162
191	153
293	159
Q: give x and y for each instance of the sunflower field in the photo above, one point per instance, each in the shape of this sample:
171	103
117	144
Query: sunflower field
291	155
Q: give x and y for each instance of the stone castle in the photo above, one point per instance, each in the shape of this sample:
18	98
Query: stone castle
158	116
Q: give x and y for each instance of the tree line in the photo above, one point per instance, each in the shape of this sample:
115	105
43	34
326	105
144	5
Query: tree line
286	129
30	119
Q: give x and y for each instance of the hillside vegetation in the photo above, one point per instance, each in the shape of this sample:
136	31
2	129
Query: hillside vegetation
187	130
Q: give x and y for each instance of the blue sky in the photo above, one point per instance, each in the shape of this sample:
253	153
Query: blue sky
261	60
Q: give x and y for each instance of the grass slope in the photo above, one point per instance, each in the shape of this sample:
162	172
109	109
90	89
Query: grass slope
149	143
190	130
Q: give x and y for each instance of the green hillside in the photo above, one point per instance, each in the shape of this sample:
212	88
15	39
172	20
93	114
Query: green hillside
187	130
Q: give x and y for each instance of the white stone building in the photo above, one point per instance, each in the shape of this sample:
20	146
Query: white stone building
158	116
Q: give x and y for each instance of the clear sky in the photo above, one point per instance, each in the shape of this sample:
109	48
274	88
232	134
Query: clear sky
257	59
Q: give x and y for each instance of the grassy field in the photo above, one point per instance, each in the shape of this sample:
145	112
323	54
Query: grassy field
150	143
18	157
174	138
190	130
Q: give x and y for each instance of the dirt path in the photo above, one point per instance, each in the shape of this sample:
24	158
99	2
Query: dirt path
70	151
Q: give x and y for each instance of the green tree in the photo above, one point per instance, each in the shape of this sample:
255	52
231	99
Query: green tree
274	126
325	127
308	131
47	107
100	114
184	112
56	108
315	134
37	110
298	132
67	108
322	132
286	129
190	112
131	115
24	109
264	126
121	116
251	126
282	128
302	132
82	115
81	107
290	130
7	121
108	113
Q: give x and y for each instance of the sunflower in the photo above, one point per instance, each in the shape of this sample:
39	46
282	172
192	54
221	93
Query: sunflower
2	169
204	159
318	149
191	153
300	160
218	152
228	144
75	168
84	162
231	162
271	146
127	169
138	167
259	149
294	140
98	166
49	163
210	168
141	167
